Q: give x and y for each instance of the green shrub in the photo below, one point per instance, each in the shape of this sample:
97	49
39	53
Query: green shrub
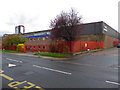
22	47
53	54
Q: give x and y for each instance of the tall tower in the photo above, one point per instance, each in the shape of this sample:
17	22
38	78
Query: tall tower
19	29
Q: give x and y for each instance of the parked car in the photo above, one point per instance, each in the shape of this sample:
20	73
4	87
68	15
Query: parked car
118	46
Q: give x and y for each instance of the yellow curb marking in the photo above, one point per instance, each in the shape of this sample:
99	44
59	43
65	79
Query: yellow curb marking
7	77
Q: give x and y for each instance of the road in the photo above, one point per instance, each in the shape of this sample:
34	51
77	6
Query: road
95	70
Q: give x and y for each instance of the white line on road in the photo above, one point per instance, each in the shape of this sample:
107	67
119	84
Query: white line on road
118	66
112	82
11	65
52	69
115	68
14	60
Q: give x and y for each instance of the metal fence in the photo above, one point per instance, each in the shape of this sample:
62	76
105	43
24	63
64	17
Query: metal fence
115	43
61	47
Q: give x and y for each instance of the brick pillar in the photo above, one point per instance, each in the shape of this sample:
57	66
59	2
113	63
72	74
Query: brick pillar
2	47
103	45
24	48
32	49
37	48
72	50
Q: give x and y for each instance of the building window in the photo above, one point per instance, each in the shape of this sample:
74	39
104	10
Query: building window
48	33
38	39
30	39
46	37
34	39
43	38
43	47
105	28
34	47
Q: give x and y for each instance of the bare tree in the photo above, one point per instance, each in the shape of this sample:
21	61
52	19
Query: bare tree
66	26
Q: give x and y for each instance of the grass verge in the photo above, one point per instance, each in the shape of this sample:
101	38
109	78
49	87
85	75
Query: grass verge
9	51
84	52
58	55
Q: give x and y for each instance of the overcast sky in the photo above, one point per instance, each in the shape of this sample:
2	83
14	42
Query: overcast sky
36	15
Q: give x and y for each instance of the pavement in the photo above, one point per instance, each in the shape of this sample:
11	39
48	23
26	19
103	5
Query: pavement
92	70
31	55
113	51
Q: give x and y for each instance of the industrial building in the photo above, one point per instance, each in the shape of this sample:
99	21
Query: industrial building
94	32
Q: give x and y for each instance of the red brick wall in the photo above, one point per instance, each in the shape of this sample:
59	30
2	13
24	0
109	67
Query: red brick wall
38	42
108	41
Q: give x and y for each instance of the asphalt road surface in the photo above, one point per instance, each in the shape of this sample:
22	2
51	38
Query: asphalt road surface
95	70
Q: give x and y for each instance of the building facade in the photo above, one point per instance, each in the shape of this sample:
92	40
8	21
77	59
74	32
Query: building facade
96	31
100	31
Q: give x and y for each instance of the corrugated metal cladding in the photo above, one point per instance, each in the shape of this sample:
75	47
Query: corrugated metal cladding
92	28
99	27
110	31
119	36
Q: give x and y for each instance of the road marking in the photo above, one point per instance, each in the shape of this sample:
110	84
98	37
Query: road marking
52	69
31	85
112	82
13	83
118	66
14	60
11	65
1	71
115	68
39	88
7	77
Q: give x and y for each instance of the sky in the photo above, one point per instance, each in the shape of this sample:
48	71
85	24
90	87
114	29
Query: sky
36	15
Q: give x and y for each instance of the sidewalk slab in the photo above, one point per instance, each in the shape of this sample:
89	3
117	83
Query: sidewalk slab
45	57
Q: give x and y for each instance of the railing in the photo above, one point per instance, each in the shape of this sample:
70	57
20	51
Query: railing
115	43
